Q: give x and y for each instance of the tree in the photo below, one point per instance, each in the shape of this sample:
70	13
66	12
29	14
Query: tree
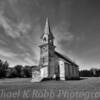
3	68
85	73
19	70
27	71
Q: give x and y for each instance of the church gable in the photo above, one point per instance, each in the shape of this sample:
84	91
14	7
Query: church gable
66	59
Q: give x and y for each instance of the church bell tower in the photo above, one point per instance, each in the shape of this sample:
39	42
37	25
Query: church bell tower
47	55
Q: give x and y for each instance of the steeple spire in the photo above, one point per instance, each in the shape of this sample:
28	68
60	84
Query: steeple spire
47	27
47	36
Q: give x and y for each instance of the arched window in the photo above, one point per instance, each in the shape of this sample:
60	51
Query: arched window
44	39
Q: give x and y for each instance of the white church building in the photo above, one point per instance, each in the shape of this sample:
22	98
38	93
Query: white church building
54	65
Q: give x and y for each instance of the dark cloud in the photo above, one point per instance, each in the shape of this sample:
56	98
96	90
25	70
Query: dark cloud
75	24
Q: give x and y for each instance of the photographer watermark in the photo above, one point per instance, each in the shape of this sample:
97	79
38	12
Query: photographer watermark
47	93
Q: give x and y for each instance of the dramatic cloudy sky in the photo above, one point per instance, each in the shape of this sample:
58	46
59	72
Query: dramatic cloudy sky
74	23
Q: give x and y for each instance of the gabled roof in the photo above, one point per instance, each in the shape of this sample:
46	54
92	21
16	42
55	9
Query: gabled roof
66	58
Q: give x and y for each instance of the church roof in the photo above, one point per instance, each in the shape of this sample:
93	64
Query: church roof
65	58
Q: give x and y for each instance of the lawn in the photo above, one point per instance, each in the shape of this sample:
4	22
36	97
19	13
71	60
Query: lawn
24	89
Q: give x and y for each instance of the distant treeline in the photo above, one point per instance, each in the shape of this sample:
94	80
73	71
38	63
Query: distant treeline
26	71
90	73
16	71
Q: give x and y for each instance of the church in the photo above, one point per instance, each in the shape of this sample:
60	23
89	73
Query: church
52	64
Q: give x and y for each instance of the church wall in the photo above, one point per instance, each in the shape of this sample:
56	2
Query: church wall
70	70
73	71
51	60
44	72
74	68
67	72
51	67
62	69
57	69
77	72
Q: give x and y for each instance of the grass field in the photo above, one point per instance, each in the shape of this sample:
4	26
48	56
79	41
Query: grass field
23	89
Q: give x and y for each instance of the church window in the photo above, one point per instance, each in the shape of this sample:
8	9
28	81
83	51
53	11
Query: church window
45	59
44	49
44	39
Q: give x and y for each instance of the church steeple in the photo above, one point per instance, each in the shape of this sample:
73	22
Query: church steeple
47	35
47	27
47	52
